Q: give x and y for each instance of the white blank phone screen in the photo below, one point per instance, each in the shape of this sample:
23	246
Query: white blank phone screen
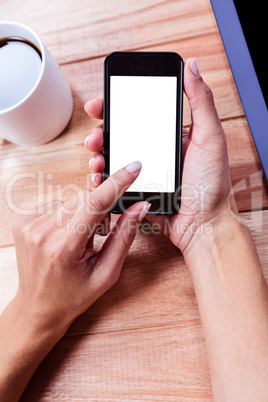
143	128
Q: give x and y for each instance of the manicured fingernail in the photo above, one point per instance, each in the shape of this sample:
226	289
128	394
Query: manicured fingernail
144	211
91	161
134	167
86	105
87	138
93	178
194	67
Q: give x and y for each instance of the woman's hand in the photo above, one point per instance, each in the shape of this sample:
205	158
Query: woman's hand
206	184
60	274
231	291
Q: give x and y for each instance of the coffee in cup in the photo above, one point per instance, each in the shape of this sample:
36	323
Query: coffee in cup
35	99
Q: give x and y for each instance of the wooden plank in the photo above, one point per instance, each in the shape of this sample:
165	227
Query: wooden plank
248	180
155	286
95	28
158	364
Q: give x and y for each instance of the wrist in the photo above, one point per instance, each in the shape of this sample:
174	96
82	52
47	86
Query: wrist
24	342
36	320
213	236
232	298
223	261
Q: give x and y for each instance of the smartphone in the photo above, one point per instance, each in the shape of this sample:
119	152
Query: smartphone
143	93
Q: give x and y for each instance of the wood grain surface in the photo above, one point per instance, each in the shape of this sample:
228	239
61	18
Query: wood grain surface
143	340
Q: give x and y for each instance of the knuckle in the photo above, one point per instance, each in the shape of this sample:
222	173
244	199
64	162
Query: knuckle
58	248
128	237
17	227
118	181
110	277
28	233
56	253
209	93
21	223
95	203
119	184
34	238
113	277
24	229
205	96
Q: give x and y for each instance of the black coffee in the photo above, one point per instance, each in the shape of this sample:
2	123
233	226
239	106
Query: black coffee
20	67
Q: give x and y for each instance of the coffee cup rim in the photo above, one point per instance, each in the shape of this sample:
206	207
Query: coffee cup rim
42	50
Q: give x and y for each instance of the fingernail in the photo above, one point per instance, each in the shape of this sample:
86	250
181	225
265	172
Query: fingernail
87	138
86	105
93	178
194	67
91	160
144	211
134	167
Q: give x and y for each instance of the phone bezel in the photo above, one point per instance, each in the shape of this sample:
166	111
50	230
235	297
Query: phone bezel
162	64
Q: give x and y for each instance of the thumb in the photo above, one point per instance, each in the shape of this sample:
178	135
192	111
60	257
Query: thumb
204	114
114	251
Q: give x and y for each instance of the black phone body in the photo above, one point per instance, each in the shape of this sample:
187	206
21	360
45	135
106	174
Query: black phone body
143	96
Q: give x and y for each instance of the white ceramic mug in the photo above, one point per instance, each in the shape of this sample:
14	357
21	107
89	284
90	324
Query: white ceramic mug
46	110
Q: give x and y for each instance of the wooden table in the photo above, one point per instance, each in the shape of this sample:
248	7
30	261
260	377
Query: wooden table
143	340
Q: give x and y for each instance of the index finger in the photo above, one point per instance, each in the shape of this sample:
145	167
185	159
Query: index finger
94	205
